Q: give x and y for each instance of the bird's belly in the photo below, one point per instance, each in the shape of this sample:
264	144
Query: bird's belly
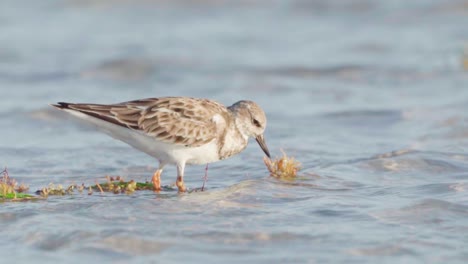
171	153
164	152
174	154
200	155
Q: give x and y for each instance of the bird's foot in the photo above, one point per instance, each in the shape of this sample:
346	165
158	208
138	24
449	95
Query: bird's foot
180	184
199	189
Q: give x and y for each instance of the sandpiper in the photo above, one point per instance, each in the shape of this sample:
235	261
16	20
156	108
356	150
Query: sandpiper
177	130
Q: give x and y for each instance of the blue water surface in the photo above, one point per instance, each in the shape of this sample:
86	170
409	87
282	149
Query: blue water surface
370	96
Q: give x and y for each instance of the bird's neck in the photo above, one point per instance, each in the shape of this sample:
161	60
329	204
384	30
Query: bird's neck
234	141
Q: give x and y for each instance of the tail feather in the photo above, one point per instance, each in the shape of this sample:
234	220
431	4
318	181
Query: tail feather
84	111
61	105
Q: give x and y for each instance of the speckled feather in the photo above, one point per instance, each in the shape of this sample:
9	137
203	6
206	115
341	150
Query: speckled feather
190	122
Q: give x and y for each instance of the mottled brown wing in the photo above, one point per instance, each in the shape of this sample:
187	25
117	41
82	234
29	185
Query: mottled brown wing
177	120
188	122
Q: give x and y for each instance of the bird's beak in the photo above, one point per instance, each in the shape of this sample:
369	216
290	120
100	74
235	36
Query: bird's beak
261	142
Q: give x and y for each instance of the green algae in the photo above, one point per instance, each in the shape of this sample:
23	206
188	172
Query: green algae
10	190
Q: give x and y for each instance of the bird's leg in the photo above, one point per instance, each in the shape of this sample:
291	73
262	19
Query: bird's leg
205	178
157	180
180	177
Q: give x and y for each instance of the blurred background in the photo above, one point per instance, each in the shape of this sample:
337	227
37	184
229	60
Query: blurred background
370	95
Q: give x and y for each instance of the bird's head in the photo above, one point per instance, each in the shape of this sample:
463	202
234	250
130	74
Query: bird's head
251	121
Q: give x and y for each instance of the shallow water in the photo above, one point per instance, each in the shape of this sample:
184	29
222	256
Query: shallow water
371	97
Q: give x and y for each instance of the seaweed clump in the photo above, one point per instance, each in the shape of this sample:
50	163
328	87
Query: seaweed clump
283	168
11	190
58	189
114	185
118	185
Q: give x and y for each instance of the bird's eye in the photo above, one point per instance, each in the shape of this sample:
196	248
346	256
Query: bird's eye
256	123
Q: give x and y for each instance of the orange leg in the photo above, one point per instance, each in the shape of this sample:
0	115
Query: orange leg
157	180
180	184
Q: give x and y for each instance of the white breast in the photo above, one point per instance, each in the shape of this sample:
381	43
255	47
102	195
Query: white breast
164	152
